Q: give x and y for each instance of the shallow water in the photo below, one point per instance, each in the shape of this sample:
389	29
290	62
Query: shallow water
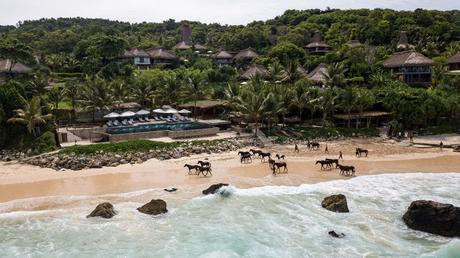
272	221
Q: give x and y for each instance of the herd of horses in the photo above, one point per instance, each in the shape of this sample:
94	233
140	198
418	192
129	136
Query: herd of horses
275	166
202	167
279	165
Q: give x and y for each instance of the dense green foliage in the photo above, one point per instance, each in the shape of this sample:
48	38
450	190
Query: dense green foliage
133	146
77	57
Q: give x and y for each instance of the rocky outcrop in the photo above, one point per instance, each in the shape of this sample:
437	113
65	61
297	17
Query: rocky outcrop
74	161
213	188
433	217
154	207
335	203
104	210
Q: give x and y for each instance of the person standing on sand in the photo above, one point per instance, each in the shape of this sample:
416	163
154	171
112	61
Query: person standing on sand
340	156
296	148
326	150
441	145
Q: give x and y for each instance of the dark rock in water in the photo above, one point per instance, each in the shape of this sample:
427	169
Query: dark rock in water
213	188
171	190
154	207
335	234
433	217
335	203
104	210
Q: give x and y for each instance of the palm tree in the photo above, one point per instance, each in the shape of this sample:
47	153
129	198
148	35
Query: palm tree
56	94
31	115
195	87
232	92
348	102
364	99
335	75
300	98
170	90
118	90
72	91
96	96
276	71
328	104
292	72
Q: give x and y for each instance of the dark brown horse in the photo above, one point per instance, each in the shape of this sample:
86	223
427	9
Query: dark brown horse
277	167
325	164
263	155
270	162
246	158
360	151
347	170
243	153
204	170
190	167
313	145
280	156
254	152
334	161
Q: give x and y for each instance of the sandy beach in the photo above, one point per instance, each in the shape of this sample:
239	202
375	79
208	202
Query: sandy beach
19	181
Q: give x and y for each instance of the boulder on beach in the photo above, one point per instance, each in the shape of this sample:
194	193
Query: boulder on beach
433	217
154	207
335	203
336	235
104	210
214	188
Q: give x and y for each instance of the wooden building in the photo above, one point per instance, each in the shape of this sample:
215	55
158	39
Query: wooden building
246	54
317	47
10	69
254	70
223	58
410	66
317	75
454	64
161	57
138	57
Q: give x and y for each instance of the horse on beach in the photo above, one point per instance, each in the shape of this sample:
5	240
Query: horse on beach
263	155
313	145
280	156
347	170
325	164
204	170
277	167
360	151
254	152
204	163
190	167
334	161
246	158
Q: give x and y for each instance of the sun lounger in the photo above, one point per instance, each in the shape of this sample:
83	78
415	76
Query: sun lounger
124	122
146	119
131	121
116	123
141	119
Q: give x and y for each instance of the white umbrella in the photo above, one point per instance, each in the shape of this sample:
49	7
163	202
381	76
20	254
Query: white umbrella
127	114
171	111
142	112
158	110
184	111
112	115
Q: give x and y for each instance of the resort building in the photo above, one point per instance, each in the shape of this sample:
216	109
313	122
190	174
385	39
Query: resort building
161	57
317	75
12	70
139	58
223	58
410	66
403	43
246	54
354	43
254	70
317	47
454	64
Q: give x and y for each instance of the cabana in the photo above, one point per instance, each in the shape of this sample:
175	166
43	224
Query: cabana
371	119
111	116
206	108
317	46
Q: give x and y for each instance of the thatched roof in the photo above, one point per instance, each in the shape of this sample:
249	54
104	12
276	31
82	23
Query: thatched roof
316	42
204	104
403	43
224	55
127	105
160	53
199	47
253	70
246	54
182	46
369	114
318	74
454	59
135	53
6	66
407	58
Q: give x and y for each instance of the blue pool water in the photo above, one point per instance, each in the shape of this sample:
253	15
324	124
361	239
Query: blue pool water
156	127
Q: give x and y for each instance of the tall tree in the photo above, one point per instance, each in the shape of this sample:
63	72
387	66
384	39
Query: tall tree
31	115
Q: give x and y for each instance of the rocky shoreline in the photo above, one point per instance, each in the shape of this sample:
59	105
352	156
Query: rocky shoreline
72	161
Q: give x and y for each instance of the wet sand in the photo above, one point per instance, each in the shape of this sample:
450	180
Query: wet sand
18	181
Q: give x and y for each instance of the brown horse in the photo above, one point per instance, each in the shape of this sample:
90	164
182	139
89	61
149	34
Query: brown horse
360	151
204	163
190	167
279	156
246	158
325	164
263	155
347	170
271	162
254	152
277	167
313	145
334	161
204	170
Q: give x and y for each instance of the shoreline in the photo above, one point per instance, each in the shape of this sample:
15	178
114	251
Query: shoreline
20	181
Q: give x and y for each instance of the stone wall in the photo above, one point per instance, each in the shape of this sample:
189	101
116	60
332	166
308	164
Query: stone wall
193	133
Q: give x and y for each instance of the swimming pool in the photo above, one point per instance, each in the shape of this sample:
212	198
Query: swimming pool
156	127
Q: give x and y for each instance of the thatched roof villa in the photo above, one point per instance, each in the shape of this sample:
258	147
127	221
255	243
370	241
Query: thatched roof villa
223	58
254	70
454	64
13	69
317	75
246	54
317	47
